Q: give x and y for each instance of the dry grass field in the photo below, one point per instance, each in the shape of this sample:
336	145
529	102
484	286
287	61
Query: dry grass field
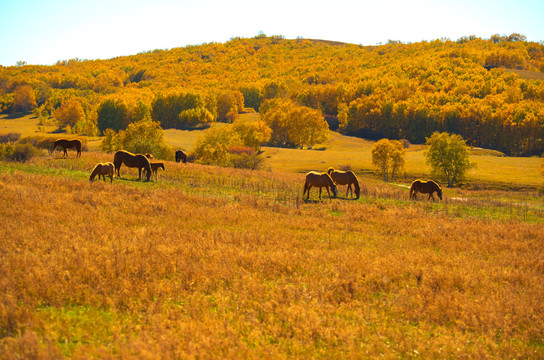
211	262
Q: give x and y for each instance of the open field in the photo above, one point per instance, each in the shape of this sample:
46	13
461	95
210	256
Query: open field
220	263
213	262
339	150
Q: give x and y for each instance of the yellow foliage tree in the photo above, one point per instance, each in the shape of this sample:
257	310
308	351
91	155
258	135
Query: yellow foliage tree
25	99
69	113
388	156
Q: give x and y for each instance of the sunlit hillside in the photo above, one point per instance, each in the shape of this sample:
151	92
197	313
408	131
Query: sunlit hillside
487	90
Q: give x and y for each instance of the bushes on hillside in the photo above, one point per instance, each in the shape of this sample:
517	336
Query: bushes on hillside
180	111
9	137
295	126
234	145
20	152
141	137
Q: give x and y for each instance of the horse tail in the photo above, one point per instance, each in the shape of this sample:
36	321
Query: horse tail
78	147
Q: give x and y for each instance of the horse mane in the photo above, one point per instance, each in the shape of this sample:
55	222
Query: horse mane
95	171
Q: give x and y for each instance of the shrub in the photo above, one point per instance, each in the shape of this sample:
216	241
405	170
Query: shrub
19	152
213	147
9	137
243	157
141	137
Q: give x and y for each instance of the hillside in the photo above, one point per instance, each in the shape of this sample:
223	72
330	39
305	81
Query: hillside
393	90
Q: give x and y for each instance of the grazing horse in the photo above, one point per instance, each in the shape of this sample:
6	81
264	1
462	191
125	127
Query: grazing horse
181	156
156	166
425	187
346	178
319	180
132	160
102	169
68	144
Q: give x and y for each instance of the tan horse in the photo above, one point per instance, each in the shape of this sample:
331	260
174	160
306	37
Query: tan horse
320	180
425	187
156	166
68	144
346	178
102	169
132	160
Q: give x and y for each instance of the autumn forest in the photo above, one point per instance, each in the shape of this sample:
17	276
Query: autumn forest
489	91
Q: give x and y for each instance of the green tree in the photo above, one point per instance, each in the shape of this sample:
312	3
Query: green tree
388	156
448	156
166	109
191	118
252	97
141	137
112	115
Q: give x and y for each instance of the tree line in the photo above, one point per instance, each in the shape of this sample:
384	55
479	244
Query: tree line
478	88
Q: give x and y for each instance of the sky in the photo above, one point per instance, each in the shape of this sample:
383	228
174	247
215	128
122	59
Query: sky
46	31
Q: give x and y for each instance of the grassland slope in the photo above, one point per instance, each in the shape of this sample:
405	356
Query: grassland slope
220	263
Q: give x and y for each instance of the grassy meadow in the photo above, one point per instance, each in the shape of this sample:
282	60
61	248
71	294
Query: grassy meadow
210	262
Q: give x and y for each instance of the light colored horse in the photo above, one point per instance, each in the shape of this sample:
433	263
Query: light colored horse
346	178
102	169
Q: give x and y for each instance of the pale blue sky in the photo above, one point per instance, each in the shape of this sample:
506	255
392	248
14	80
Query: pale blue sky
43	32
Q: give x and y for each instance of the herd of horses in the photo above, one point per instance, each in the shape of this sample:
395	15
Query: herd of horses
328	180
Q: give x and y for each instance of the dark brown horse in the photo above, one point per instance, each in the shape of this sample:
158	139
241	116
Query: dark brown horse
425	187
102	169
132	160
181	156
156	166
346	178
320	180
68	144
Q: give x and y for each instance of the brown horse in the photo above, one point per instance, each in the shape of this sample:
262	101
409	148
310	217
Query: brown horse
102	169
346	178
425	187
132	160
181	156
156	166
320	180
68	144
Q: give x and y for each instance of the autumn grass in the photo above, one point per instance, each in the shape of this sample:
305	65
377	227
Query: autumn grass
221	263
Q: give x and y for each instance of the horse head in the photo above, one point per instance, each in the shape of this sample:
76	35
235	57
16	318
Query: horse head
439	192
334	190
330	170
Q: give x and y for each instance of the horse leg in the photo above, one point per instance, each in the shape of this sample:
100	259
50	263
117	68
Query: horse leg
65	152
309	187
328	192
320	188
